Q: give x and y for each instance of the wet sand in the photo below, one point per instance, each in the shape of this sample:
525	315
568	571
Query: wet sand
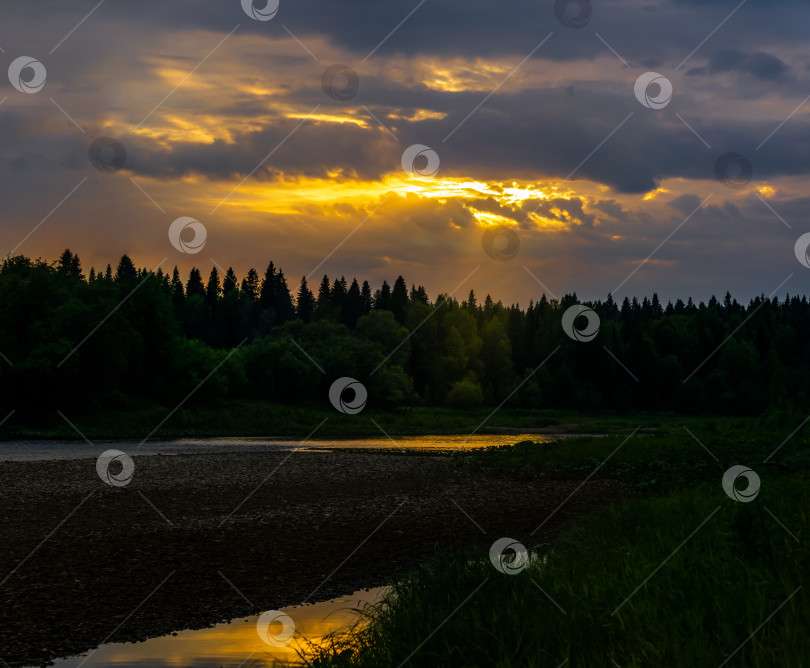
86	563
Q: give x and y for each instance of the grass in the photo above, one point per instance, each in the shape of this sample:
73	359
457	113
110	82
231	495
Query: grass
678	575
675	455
256	418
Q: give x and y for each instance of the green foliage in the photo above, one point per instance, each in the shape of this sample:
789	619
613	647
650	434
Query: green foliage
626	595
681	577
158	334
663	458
466	394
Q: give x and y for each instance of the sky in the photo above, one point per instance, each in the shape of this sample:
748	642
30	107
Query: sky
515	148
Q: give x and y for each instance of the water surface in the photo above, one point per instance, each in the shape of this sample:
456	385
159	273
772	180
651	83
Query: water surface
55	449
236	643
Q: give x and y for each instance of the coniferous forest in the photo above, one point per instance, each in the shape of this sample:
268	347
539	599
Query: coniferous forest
84	340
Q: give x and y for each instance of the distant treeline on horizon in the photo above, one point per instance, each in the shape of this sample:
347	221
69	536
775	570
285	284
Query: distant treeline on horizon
127	337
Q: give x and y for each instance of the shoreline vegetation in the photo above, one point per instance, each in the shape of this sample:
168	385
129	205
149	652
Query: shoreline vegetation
256	419
259	419
675	574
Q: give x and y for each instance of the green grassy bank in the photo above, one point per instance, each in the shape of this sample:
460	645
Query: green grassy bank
259	418
678	575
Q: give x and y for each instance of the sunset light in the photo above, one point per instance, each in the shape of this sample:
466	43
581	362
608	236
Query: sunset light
405	334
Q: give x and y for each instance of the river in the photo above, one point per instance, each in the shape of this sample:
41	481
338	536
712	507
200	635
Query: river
34	450
237	643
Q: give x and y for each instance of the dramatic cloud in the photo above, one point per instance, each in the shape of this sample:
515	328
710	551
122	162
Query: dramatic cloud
536	126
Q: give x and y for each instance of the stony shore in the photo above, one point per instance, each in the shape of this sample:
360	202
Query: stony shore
193	538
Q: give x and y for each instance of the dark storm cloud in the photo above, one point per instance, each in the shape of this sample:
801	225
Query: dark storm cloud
685	203
545	131
665	31
528	134
761	65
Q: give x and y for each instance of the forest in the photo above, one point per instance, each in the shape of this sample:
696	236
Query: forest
127	336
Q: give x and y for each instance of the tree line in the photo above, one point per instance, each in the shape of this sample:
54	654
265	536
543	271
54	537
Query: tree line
130	337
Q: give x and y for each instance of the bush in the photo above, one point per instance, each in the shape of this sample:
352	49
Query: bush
466	394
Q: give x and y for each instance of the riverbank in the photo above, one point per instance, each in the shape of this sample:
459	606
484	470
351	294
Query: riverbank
681	572
192	538
263	419
680	580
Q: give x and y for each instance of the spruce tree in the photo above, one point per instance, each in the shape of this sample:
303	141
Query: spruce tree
383	300
305	303
126	270
267	296
230	282
353	307
194	285
250	284
285	310
213	289
365	297
399	299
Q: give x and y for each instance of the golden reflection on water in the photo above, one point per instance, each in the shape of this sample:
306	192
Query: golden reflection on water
52	449
236	643
429	442
433	442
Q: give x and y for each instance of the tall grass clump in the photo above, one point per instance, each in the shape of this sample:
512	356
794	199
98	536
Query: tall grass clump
685	578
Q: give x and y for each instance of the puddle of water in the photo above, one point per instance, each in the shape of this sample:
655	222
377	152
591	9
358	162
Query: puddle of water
236	643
